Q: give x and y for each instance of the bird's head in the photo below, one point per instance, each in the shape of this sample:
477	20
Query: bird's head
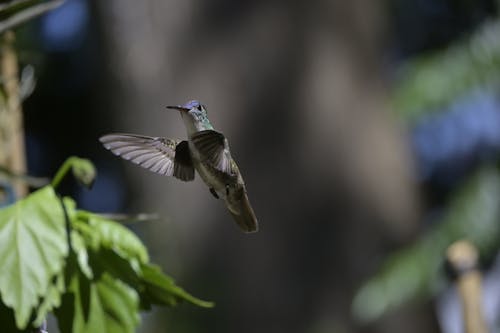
195	113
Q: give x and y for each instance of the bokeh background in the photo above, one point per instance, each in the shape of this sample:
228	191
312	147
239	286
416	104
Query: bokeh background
368	133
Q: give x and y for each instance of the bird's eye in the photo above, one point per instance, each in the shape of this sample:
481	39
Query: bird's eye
199	107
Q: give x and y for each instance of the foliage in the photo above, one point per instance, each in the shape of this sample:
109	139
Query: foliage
432	81
427	84
16	12
417	271
92	272
33	246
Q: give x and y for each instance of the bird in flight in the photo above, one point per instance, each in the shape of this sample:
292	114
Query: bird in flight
205	150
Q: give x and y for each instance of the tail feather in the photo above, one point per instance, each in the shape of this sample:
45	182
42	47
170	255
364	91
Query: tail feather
245	217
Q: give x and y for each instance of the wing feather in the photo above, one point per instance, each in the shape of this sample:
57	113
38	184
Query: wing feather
214	146
161	155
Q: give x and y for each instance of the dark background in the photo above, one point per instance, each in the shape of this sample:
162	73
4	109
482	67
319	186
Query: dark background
337	175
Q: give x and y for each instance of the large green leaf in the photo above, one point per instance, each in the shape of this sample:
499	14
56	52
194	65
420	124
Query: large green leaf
51	300
104	305
161	289
79	247
33	245
112	235
108	261
117	251
118	304
7	321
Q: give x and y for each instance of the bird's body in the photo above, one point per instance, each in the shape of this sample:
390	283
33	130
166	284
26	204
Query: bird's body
206	151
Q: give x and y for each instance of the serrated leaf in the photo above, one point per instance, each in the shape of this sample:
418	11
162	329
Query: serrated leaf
105	305
116	251
161	289
114	236
70	206
82	256
7	321
51	300
108	261
119	304
33	244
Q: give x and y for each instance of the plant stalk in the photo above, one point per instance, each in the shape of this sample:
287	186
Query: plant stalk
463	257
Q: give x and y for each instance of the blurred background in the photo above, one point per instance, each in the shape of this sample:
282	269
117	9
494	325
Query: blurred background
368	133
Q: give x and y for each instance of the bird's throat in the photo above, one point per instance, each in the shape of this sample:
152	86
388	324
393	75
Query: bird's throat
193	125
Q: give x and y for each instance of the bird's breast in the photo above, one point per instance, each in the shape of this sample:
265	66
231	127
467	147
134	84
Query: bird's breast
206	172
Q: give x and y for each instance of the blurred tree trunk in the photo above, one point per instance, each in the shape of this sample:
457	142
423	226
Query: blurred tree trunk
297	88
12	151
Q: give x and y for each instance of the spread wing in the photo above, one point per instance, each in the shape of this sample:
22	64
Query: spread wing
214	148
161	155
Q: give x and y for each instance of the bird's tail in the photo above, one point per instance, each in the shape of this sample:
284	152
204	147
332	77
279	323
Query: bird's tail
245	217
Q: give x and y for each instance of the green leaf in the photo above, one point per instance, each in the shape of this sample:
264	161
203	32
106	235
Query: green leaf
7	321
105	305
429	82
115	251
119	304
416	272
113	235
161	289
51	300
108	261
118	251
33	245
78	246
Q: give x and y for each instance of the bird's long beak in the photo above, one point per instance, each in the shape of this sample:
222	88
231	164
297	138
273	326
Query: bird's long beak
178	108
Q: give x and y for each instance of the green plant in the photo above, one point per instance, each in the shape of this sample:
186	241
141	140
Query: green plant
93	273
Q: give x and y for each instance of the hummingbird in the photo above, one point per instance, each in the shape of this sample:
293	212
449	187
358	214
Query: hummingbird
205	150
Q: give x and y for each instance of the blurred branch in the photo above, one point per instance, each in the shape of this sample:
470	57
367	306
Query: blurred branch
431	81
416	271
30	180
23	10
130	218
12	4
462	257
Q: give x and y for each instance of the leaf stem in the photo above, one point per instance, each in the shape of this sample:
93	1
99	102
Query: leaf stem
63	170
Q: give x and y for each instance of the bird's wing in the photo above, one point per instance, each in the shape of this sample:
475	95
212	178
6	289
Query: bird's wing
213	146
161	155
